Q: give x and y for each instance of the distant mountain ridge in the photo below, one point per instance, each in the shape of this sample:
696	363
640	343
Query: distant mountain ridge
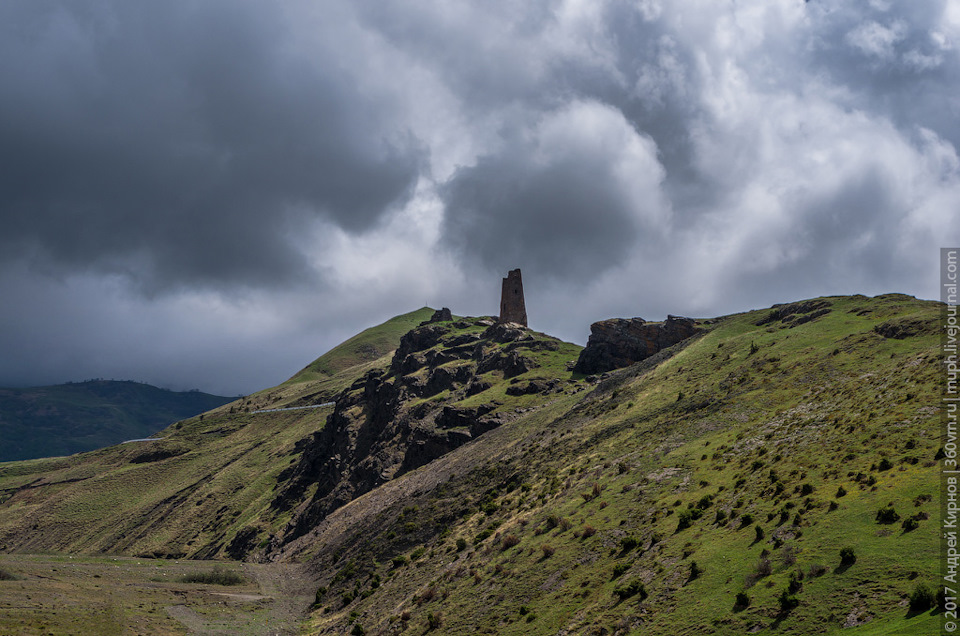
64	419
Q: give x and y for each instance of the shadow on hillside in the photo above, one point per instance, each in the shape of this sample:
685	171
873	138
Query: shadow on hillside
843	567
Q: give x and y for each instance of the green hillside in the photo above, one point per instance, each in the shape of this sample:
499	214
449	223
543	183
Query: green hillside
744	463
72	418
190	493
367	346
470	482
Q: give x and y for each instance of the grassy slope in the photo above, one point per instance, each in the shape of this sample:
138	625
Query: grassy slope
113	596
821	404
367	346
72	418
218	477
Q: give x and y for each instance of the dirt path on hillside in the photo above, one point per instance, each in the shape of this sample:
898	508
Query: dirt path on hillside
286	592
293	591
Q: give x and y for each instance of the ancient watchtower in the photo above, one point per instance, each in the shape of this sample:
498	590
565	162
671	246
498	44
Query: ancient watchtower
512	308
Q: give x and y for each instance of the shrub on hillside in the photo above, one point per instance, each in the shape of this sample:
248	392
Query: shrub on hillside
628	543
742	602
686	516
760	533
887	515
218	576
695	570
922	598
787	601
632	588
847	556
6	575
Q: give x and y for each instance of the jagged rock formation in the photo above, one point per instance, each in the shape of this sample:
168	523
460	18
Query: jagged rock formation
440	315
392	421
620	342
794	314
512	307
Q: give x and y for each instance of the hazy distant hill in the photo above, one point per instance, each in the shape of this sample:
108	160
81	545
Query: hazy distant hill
71	418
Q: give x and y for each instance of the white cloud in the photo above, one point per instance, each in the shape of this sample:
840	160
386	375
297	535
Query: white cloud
877	40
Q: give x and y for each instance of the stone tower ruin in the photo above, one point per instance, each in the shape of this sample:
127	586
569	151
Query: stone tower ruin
512	308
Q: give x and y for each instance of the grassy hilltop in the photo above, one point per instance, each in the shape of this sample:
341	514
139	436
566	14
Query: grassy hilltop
479	485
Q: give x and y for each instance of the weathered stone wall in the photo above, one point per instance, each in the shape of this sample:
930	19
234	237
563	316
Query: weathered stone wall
512	308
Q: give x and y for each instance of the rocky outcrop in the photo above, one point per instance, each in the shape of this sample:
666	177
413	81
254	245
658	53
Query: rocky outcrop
440	315
900	328
794	314
395	420
620	342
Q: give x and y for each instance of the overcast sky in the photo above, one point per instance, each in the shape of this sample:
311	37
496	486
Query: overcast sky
211	193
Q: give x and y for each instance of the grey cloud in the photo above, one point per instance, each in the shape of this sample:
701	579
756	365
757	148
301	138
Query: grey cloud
183	144
893	59
643	158
568	200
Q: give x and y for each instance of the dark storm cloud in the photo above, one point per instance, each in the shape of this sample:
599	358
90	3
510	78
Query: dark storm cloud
642	158
568	199
183	143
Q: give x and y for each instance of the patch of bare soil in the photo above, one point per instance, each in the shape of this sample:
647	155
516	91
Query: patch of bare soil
286	592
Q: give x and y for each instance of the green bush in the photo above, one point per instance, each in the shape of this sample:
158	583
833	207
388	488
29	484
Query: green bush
633	588
619	569
687	516
847	556
461	544
787	601
218	576
6	575
741	602
887	515
695	570
922	598
760	533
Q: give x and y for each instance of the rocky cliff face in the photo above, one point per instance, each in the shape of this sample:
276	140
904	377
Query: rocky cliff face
395	420
620	342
